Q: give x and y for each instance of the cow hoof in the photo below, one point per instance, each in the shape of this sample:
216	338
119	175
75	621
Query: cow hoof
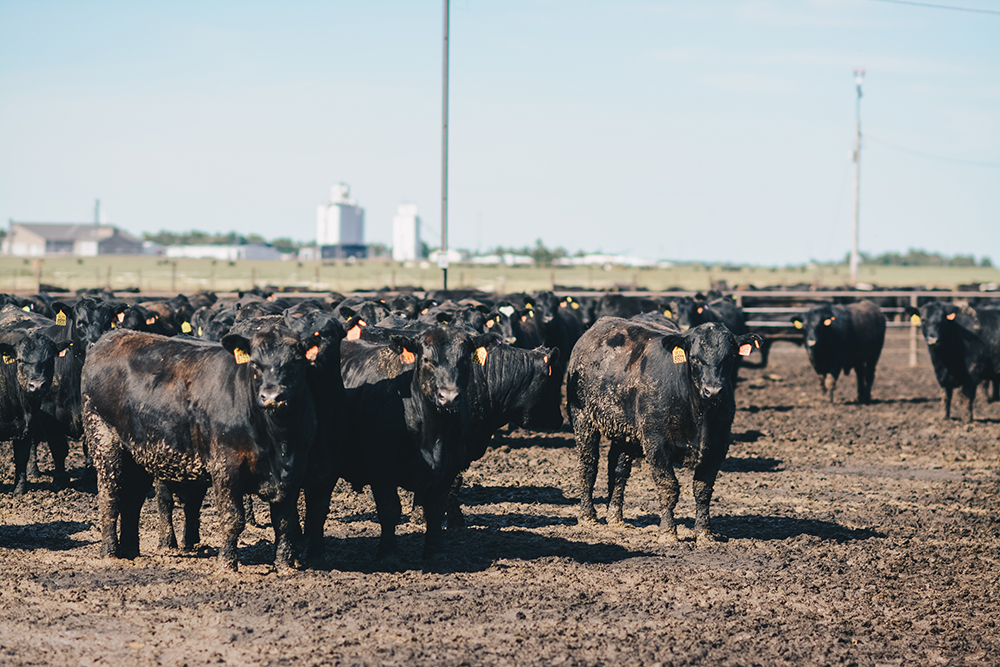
20	488
617	523
60	480
668	537
707	537
389	563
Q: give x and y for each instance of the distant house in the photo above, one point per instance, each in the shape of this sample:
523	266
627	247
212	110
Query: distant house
83	239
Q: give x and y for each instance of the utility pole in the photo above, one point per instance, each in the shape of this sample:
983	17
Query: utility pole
443	255
859	75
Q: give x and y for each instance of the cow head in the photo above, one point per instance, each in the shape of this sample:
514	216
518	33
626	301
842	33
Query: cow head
443	356
937	319
709	351
542	411
817	326
685	311
92	319
34	355
276	358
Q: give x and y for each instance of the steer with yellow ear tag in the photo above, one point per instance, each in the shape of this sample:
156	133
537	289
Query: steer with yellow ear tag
841	338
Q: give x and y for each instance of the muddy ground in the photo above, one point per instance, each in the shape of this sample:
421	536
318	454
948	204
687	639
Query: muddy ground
853	535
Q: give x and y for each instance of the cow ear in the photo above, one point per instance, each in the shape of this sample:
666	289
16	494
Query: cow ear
402	345
64	313
8	353
676	346
353	327
553	355
486	340
747	343
443	318
232	342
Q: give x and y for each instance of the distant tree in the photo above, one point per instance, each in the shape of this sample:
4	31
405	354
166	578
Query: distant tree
256	239
284	245
377	249
986	263
425	250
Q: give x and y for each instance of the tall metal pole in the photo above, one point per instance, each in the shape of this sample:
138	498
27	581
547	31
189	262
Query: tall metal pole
859	75
443	255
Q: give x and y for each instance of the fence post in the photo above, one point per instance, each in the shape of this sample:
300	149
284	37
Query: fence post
913	334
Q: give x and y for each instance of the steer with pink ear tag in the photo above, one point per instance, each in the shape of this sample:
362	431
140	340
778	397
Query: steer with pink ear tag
840	338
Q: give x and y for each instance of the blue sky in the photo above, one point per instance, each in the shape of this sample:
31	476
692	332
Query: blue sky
684	130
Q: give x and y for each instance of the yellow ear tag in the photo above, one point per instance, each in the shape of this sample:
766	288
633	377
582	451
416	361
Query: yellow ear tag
61	318
667	313
7	359
951	316
679	356
574	305
200	332
26	309
745	350
407	357
798	325
528	306
915	320
241	356
185	327
480	356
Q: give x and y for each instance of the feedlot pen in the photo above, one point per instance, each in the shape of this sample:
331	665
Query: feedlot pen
852	535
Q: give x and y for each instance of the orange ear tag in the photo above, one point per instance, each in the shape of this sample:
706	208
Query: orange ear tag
756	344
798	325
241	356
151	320
407	357
524	318
489	324
827	322
745	350
701	310
62	353
312	353
951	316
354	333
480	356
679	356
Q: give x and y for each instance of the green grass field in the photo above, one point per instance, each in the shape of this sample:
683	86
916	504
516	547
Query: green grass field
152	274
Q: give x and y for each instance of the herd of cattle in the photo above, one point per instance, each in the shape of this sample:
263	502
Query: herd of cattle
277	397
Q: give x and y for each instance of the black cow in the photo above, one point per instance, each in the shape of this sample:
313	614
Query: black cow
839	338
238	416
964	346
408	412
26	370
666	396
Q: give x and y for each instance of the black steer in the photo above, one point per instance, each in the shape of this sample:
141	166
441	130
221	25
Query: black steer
839	338
238	416
408	414
666	396
964	346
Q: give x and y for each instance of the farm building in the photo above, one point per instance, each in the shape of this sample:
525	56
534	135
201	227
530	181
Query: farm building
79	239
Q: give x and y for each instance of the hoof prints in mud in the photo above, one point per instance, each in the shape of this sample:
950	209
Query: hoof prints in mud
850	534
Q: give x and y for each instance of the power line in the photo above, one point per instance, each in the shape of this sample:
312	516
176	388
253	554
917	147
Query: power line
957	9
932	156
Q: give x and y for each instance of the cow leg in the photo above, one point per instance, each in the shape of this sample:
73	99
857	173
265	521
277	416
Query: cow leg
619	469
165	515
704	485
193	500
232	520
588	440
31	469
995	396
947	402
861	374
435	502
22	452
667	487
109	471
830	383
454	509
970	393
135	483
284	519
387	506
59	449
318	495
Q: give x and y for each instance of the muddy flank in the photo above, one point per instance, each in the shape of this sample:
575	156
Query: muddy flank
852	535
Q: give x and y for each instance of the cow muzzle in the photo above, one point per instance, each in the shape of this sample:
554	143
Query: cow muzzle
447	398
811	343
932	340
271	399
710	390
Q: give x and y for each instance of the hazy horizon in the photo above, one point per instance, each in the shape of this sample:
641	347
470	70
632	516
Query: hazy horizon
681	131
